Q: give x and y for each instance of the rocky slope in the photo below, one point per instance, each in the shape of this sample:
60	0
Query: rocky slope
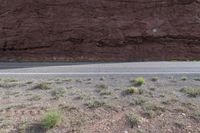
99	29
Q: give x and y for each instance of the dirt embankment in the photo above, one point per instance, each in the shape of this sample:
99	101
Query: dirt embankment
99	30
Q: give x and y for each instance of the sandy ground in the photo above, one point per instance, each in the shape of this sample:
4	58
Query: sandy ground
101	105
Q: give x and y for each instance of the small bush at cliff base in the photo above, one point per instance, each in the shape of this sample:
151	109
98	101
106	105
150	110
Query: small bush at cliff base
51	119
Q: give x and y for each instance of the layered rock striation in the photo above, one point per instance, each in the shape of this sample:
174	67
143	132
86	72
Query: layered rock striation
99	30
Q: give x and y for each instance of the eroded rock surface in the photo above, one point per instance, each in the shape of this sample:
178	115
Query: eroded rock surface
99	29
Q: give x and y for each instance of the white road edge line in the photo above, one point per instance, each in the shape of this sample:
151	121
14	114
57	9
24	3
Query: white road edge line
100	73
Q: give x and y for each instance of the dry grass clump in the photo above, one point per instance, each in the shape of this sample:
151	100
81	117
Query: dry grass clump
134	120
42	86
192	92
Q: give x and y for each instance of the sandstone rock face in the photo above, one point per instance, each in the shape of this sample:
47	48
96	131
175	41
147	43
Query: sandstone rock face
103	30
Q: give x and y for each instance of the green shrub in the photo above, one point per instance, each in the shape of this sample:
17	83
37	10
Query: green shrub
132	90
133	119
42	86
152	110
138	81
51	119
58	93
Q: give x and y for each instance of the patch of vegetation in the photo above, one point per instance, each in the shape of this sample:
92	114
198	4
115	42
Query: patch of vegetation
102	79
134	119
184	78
133	90
179	125
7	85
29	82
152	110
101	87
154	79
140	131
140	101
152	89
95	104
58	93
35	98
102	93
22	127
139	81
42	86
191	92
102	90
141	91
88	79
150	114
170	101
196	116
78	81
188	105
51	119
10	80
197	79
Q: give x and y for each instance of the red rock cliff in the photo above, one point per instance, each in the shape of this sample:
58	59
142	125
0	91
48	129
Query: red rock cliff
99	29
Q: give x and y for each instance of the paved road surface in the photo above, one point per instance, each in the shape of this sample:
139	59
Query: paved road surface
61	69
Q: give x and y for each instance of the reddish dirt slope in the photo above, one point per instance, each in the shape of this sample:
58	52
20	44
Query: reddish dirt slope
99	30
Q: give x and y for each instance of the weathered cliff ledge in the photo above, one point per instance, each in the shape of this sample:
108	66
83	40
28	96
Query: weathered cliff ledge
103	30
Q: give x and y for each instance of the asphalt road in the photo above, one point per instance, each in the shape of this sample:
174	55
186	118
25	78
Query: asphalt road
62	69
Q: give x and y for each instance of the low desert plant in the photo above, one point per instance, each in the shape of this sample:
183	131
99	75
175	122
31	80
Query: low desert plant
7	85
58	93
154	79
152	110
196	116
131	90
35	98
51	119
102	93
197	79
140	101
133	119
184	78
95	104
101	87
192	92
138	81
42	86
